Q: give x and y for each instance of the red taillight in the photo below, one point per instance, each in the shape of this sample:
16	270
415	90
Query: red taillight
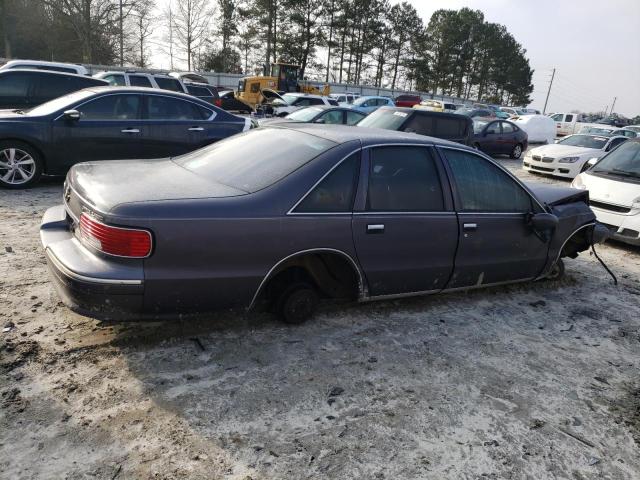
123	242
217	102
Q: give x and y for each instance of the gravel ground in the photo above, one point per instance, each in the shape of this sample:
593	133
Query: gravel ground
532	381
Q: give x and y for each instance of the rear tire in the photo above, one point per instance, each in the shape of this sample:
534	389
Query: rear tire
20	165
297	303
516	152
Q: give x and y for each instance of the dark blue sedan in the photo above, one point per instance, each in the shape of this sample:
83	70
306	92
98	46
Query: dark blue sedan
104	123
499	137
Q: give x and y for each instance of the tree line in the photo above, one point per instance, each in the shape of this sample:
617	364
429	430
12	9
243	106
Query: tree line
371	42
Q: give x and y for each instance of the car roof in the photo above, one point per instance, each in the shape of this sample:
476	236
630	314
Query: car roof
367	136
147	90
50	72
44	63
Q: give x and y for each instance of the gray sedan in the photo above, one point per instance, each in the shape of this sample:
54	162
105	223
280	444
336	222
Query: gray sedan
282	216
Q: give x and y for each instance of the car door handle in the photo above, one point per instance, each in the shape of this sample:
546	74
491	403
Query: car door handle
130	130
375	228
196	129
469	227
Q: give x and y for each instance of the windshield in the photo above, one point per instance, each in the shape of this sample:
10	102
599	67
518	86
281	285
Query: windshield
304	114
384	118
623	160
586	141
478	126
253	160
360	101
60	102
287	97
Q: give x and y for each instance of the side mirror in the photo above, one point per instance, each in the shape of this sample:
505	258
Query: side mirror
71	115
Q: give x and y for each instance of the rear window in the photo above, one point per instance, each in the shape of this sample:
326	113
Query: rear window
384	118
253	160
169	84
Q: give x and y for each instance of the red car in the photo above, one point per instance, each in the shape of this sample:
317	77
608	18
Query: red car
407	100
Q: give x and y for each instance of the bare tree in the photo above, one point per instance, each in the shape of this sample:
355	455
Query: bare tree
191	26
141	23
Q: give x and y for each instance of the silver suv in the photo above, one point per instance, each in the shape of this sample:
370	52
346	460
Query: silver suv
139	79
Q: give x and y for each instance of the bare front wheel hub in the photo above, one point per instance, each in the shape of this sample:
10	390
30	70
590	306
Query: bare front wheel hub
16	166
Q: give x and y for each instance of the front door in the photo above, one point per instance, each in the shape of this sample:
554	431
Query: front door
404	229
109	128
495	244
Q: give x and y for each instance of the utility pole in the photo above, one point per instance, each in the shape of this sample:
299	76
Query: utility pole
121	38
613	105
544	110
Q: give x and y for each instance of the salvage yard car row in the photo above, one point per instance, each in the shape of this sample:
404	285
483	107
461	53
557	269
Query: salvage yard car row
357	201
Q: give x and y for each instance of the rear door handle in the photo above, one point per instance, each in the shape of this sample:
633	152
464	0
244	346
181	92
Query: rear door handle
130	130
375	228
196	129
469	227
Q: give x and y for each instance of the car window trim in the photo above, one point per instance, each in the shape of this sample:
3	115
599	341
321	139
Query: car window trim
454	187
449	206
308	192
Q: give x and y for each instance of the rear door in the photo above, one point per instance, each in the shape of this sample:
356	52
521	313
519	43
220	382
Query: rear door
404	227
175	126
110	127
495	243
16	90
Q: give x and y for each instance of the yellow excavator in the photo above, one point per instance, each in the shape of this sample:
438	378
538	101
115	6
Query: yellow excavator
283	78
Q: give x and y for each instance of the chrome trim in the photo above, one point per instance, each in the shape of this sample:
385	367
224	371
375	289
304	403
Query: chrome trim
361	285
83	278
569	237
392	296
488	158
291	210
382	213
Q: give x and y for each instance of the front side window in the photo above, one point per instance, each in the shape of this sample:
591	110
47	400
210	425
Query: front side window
615	142
111	107
168	108
557	117
139	81
335	193
493	128
332	117
568	118
483	187
404	179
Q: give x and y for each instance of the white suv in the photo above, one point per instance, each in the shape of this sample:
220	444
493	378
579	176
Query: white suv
139	79
40	65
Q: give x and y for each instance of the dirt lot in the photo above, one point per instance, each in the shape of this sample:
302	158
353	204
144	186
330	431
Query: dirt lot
532	381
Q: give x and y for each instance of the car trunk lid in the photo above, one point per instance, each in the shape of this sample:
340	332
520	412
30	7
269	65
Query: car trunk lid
101	186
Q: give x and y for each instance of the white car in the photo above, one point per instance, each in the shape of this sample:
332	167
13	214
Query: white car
633	128
614	191
567	157
344	98
41	65
283	105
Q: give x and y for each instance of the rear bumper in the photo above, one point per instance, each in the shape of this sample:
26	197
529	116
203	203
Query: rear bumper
103	288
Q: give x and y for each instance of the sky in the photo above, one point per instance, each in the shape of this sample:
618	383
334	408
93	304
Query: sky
594	45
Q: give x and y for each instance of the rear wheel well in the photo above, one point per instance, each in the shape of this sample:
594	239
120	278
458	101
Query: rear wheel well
333	274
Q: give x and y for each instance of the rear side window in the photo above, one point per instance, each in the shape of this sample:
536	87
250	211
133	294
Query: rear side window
139	81
449	127
198	91
419	123
334	194
169	84
168	108
332	102
404	179
354	117
117	80
507	128
483	187
111	107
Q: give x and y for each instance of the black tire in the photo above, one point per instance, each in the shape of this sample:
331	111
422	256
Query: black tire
516	152
556	272
297	303
17	160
